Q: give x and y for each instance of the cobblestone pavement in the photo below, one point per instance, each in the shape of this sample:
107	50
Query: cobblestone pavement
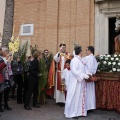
51	111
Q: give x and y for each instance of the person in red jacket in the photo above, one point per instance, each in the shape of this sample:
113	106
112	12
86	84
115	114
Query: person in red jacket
4	59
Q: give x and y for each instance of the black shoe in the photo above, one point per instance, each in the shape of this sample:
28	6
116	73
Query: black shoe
19	102
13	97
7	107
36	106
49	97
62	104
75	117
89	111
27	108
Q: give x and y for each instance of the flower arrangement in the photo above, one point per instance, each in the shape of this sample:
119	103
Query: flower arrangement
16	49
108	63
14	45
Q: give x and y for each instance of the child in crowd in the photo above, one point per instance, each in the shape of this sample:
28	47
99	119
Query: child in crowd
66	74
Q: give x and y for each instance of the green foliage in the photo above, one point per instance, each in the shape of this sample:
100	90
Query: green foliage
21	52
43	77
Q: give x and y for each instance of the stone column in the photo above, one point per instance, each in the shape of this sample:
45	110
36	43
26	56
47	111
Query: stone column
8	21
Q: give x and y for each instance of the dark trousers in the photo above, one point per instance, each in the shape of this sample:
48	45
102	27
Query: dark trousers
14	86
19	88
6	97
32	89
25	86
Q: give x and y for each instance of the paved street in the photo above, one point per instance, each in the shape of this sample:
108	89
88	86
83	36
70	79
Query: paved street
51	111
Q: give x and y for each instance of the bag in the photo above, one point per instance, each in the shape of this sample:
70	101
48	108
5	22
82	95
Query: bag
19	69
92	78
12	82
7	84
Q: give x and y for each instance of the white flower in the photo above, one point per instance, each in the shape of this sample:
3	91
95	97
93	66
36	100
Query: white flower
114	69
98	63
109	63
119	63
106	58
118	70
108	55
114	63
104	62
110	71
101	56
112	58
117	59
115	55
98	70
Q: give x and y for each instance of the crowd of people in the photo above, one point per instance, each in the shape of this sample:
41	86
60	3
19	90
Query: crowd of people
66	79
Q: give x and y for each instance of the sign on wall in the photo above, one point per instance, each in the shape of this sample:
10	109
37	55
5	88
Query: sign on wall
26	29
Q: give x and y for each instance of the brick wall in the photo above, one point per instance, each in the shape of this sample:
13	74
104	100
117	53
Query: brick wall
56	21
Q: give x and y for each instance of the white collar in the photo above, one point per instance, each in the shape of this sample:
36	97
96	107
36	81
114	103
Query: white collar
90	54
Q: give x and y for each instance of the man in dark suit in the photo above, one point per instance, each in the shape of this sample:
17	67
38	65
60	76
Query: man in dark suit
33	82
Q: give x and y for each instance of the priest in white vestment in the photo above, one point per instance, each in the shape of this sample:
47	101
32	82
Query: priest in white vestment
60	59
91	66
76	91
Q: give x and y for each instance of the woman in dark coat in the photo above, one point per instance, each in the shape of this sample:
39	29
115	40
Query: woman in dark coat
33	82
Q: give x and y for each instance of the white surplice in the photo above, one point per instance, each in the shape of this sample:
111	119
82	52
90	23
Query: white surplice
58	95
76	91
66	76
91	66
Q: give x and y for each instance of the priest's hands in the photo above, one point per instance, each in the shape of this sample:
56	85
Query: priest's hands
86	76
